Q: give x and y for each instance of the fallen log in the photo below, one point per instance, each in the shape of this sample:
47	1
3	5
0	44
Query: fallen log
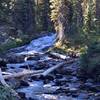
6	73
51	69
17	65
3	82
38	72
24	73
26	63
59	56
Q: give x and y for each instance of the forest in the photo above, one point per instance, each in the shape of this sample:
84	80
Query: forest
49	49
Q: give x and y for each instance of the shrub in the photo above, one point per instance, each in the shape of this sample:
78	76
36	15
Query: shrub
90	62
5	94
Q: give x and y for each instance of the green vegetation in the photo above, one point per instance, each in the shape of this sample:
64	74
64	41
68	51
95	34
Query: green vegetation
5	94
15	42
90	62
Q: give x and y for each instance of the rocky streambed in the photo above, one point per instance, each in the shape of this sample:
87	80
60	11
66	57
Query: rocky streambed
61	84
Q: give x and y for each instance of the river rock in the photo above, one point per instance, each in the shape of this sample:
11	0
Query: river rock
34	88
83	96
73	90
24	83
48	88
74	79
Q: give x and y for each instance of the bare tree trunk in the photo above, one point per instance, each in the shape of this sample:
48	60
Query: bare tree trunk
98	9
64	20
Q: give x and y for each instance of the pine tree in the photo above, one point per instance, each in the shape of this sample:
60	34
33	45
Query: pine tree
61	15
42	14
24	16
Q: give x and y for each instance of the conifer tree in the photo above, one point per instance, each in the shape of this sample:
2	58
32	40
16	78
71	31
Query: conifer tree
24	16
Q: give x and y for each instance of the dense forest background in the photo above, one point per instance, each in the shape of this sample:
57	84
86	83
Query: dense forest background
76	21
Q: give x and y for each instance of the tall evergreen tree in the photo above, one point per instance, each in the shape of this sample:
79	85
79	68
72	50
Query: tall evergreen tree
42	14
24	16
61	15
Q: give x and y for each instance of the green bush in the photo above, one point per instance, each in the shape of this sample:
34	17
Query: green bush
5	94
10	43
14	42
90	62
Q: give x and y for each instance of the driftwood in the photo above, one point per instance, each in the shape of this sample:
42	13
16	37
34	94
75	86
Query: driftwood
38	72
26	53
26	63
6	73
3	82
2	79
51	69
59	56
24	73
17	65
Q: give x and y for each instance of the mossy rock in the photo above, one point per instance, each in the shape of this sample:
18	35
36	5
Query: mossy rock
90	62
5	94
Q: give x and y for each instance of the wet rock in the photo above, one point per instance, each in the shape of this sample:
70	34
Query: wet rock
95	88
74	73
73	90
48	77
88	84
26	67
33	58
74	79
59	76
34	88
3	63
83	96
48	88
97	96
60	82
62	90
40	66
68	78
34	78
75	94
65	98
65	71
22	95
91	87
89	81
24	83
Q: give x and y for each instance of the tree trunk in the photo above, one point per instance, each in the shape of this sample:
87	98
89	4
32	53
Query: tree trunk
64	20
